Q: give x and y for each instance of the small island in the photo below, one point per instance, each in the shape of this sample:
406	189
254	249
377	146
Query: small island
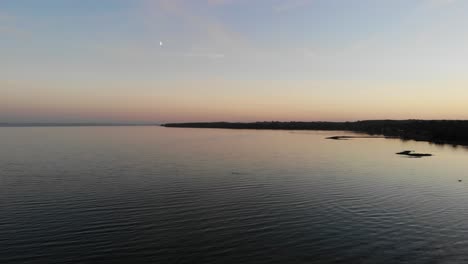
453	132
352	137
411	153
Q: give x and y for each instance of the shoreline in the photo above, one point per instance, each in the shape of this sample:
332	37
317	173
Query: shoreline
451	132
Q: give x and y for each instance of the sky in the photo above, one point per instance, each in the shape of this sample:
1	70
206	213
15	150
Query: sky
232	60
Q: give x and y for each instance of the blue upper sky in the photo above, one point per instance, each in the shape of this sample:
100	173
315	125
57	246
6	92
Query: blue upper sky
57	53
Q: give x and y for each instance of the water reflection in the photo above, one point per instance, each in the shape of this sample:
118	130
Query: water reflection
167	195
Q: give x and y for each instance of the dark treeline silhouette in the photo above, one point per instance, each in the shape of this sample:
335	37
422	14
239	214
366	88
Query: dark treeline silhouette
438	131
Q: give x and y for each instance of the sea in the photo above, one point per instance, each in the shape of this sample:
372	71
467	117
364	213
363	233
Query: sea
150	194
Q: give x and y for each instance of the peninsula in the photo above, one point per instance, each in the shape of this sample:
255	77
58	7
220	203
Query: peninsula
437	131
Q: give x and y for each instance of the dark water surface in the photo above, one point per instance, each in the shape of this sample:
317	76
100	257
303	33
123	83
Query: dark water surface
173	195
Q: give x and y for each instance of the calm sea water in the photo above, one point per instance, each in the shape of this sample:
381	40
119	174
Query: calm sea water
175	195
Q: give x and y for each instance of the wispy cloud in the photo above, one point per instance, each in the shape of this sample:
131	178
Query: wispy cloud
5	17
206	30
137	51
219	2
291	5
310	53
193	55
8	26
439	3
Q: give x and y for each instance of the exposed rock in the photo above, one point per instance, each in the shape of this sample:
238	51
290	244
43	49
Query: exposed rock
411	153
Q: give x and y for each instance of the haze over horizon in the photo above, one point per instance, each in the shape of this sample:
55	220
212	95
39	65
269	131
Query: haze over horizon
228	60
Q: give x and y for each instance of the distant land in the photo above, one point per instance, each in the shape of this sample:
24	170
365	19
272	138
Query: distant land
73	124
437	131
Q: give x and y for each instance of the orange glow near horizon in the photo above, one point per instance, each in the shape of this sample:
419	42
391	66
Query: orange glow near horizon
101	61
188	101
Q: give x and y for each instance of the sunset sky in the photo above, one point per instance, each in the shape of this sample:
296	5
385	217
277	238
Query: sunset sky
232	60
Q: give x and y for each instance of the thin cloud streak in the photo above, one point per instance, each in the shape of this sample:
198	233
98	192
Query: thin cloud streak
136	52
439	3
193	55
291	5
219	2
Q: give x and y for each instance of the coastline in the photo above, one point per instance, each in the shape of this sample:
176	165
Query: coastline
453	132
